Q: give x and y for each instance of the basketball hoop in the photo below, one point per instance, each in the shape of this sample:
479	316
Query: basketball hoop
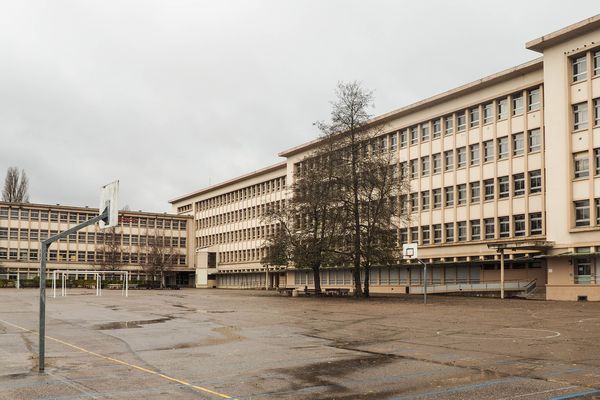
409	251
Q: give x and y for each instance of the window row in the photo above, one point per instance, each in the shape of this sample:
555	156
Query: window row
87	237
581	164
582	212
77	256
476	229
580	115
579	66
240	215
25	214
258	232
474	154
242	194
475	192
233	256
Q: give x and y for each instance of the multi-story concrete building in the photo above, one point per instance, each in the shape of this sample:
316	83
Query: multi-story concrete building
23	226
507	167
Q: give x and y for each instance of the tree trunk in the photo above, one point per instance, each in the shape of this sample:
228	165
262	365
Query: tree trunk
356	215
317	279
162	280
367	277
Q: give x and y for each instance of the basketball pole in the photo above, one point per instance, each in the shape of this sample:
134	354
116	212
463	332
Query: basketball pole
45	244
424	264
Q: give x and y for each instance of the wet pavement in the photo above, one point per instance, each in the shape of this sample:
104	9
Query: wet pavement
211	344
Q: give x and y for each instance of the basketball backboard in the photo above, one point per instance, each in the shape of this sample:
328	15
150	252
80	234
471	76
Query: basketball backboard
409	251
109	196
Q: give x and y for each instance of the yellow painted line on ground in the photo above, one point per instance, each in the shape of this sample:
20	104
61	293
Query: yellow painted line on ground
117	361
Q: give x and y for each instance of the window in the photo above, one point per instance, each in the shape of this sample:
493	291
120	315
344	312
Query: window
598	212
597	160
502	109
596	62
519	184
425	200
437	233
488	151
474	154
580	116
502	147
448	160
535	223
414	234
475	229
461	228
518	143
414	169
394	141
504	224
437	198
461	121
461	194
403	138
414	135
414	202
425	132
488	113
437	163
474	117
579	65
475	192
461	157
503	187
488	185
533	99
582	213
425	234
519	225
449	196
517	104
596	112
449	228
425	166
489	228
437	128
535	140
448	125
535	181
581	165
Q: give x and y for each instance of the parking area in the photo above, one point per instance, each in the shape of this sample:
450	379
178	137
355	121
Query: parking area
211	344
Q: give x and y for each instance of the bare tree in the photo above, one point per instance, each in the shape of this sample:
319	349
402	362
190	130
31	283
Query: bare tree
110	249
16	188
368	186
161	256
310	222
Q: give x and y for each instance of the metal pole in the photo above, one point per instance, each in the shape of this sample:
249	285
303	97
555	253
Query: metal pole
425	285
501	273
126	283
42	327
54	284
18	280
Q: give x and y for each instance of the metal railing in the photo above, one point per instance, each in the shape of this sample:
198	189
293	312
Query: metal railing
491	286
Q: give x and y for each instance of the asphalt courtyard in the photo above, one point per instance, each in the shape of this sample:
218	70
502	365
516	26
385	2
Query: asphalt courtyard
214	344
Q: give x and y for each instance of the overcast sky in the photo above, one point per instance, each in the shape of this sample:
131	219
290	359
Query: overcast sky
169	96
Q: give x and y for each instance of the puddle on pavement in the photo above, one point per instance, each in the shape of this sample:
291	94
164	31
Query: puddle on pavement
130	324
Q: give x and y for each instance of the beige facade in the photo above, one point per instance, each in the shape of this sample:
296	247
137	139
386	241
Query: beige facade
511	160
23	226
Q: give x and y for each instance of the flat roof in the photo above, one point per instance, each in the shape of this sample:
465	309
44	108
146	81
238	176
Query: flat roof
258	172
564	34
92	210
437	99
